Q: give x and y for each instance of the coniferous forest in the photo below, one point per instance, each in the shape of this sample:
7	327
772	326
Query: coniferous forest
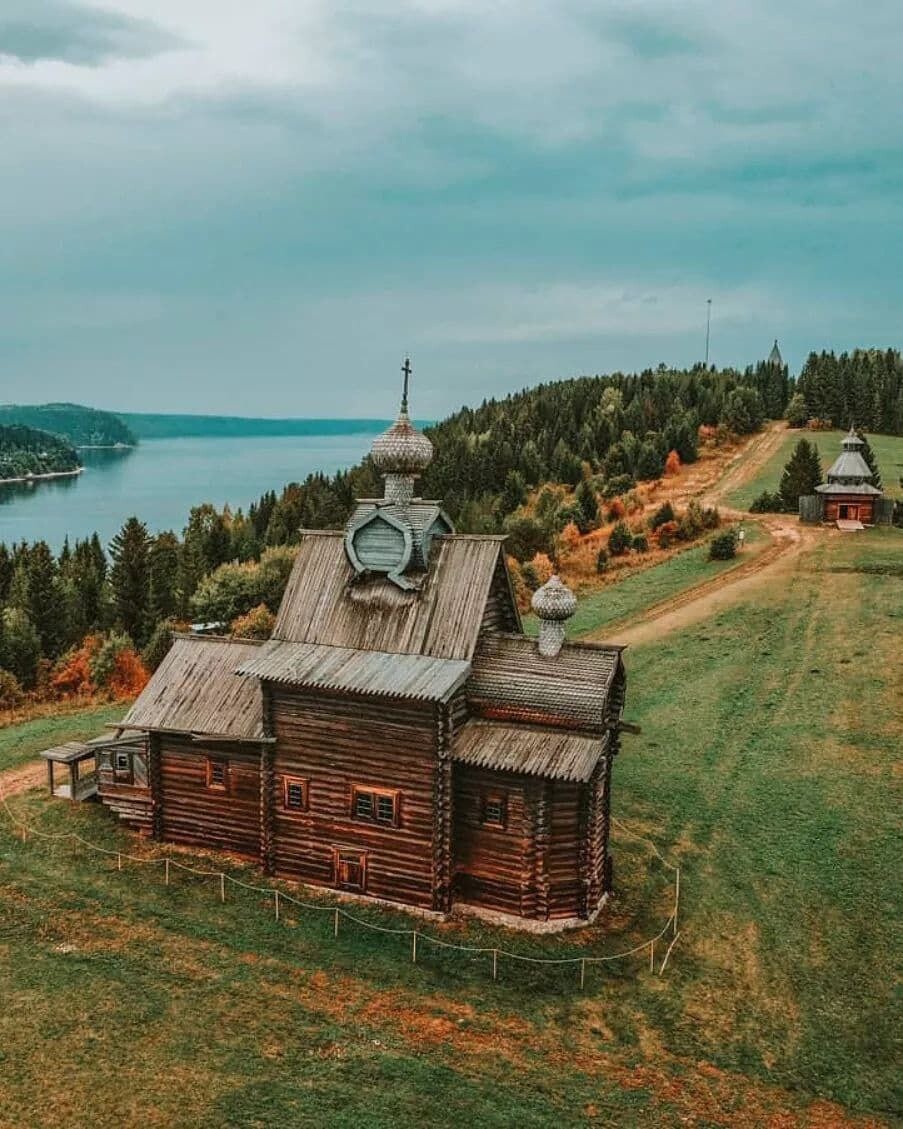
79	619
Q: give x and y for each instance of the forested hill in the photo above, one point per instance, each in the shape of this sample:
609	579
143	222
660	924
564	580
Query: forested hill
81	426
25	451
163	426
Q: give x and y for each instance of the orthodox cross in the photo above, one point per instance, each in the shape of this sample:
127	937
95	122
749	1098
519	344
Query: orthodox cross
406	369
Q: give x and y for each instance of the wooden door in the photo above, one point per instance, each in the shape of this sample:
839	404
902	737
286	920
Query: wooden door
351	870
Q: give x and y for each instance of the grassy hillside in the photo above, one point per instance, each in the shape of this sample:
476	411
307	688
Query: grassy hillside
25	451
81	426
765	766
888	451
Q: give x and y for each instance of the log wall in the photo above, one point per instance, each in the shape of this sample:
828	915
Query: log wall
335	743
865	503
195	814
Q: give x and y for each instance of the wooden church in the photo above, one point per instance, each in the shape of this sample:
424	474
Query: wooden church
399	737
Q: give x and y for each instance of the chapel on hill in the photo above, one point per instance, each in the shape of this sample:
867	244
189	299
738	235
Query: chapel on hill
398	737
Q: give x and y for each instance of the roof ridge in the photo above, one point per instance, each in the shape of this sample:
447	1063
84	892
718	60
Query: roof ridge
197	638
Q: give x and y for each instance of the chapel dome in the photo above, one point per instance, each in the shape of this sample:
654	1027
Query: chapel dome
402	449
554	600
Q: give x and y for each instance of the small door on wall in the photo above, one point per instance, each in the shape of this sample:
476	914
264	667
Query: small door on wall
350	870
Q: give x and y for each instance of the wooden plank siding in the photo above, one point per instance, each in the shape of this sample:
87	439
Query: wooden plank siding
334	743
126	794
198	815
864	507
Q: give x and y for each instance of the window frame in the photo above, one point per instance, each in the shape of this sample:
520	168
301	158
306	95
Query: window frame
289	782
377	794
494	798
351	856
123	775
212	785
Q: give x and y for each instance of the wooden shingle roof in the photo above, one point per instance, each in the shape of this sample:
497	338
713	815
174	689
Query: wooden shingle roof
379	673
322	604
528	749
196	690
512	680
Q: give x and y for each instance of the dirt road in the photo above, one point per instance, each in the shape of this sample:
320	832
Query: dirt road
789	539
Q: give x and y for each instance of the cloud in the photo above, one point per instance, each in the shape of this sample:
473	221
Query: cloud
40	30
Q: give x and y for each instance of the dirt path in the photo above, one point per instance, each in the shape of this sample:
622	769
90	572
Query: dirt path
22	777
789	539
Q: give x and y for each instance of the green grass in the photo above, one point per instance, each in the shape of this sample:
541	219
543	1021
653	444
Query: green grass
765	765
888	451
640	590
20	743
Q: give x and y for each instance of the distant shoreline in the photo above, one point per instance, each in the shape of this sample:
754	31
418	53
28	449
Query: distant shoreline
106	446
43	477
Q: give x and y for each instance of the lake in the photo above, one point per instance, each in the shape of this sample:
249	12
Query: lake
161	479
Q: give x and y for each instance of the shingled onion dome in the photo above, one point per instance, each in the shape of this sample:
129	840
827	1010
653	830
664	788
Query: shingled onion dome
402	453
554	603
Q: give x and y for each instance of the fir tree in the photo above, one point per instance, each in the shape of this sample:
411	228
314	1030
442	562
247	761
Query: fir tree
801	475
587	507
869	455
130	579
43	604
163	576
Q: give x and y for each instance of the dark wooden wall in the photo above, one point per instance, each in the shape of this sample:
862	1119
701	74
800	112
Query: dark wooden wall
492	864
866	505
538	864
192	813
335	743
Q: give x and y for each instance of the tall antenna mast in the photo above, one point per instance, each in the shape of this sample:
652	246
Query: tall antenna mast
708	328
406	369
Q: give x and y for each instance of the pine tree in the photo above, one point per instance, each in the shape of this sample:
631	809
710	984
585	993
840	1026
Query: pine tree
801	475
587	506
869	455
44	598
163	564
130	579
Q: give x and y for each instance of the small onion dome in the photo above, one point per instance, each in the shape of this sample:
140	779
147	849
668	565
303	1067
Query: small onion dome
402	449
554	600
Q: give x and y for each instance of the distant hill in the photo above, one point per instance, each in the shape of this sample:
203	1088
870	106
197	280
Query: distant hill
25	451
161	426
81	426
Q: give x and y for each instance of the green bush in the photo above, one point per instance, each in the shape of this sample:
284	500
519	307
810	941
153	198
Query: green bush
620	539
723	547
10	690
767	503
640	543
663	514
602	560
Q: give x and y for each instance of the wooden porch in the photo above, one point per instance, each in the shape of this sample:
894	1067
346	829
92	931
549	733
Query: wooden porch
75	763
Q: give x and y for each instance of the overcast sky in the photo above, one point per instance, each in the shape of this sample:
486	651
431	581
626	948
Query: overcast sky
225	206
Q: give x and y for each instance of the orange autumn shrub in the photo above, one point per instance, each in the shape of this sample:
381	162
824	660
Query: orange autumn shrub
543	567
73	671
616	509
570	537
129	675
672	463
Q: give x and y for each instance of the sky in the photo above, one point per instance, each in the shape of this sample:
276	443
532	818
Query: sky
258	208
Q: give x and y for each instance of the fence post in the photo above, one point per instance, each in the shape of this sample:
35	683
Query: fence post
166	870
335	928
277	905
495	964
119	861
222	887
582	972
414	948
652	956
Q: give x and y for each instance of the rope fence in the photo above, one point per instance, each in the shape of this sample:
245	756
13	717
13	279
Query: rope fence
417	936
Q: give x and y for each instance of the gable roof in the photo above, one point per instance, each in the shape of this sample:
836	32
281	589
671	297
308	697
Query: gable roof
323	604
512	680
528	749
196	690
379	673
